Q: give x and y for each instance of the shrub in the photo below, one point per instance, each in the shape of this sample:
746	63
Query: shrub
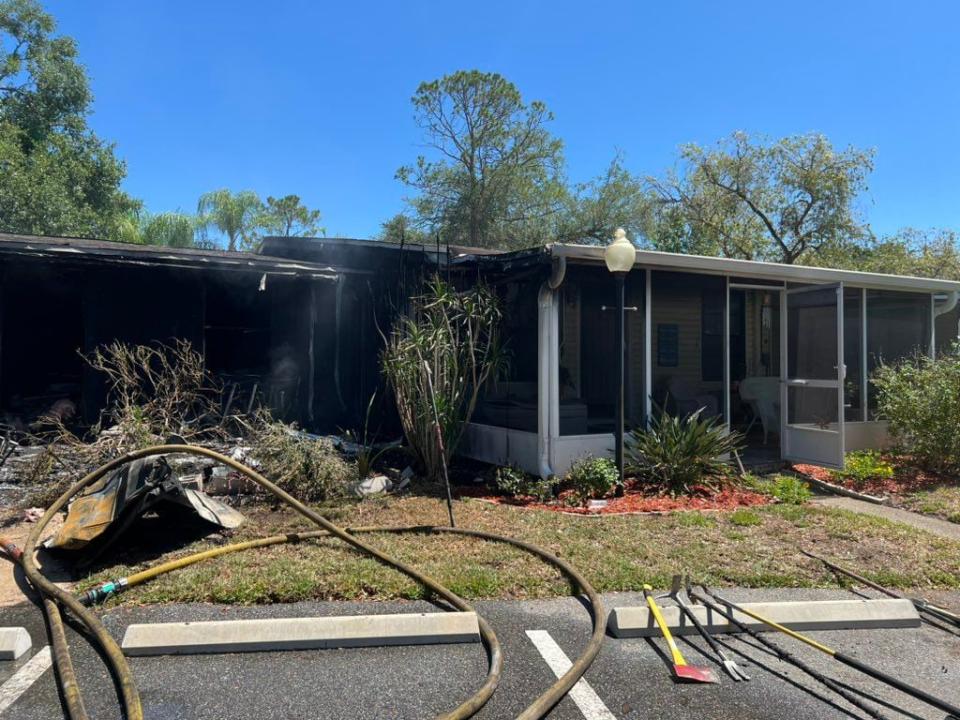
436	361
156	390
920	399
679	453
592	477
790	490
153	392
310	469
514	482
864	465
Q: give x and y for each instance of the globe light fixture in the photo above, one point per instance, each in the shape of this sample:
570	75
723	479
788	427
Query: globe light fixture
620	254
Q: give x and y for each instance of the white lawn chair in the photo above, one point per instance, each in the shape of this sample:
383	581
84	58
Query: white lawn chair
762	395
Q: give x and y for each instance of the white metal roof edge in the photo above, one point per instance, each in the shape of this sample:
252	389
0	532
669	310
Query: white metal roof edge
757	269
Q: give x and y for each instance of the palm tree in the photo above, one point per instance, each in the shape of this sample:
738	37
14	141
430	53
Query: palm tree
170	229
233	214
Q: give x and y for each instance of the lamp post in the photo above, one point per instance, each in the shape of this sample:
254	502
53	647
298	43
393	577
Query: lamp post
619	257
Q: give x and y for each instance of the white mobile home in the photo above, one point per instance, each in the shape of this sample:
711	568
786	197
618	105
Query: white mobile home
782	353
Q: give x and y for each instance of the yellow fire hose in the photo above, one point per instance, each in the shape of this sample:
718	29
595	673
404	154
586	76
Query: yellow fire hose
117	662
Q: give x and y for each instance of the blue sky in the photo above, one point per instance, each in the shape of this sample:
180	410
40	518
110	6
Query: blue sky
314	98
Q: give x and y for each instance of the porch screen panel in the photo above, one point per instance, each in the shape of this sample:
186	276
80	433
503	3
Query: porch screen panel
588	379
898	326
853	354
687	310
812	342
510	400
946	334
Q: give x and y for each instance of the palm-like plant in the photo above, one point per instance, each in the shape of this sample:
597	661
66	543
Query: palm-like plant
236	215
679	453
437	360
169	229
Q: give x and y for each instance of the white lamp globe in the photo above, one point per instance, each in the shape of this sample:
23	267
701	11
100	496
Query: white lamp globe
620	254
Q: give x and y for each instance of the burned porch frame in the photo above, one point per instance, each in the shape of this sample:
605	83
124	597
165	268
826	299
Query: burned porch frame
177	290
548	452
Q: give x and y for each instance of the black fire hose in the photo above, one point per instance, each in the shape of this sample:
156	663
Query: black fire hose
117	662
849	661
920	604
789	657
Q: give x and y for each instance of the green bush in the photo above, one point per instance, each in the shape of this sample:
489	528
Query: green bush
864	465
679	453
592	477
790	490
514	482
920	399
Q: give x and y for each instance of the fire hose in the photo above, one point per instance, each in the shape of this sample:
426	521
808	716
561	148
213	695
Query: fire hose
54	597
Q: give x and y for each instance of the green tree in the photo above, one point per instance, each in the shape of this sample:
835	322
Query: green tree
595	209
400	228
56	176
236	216
169	229
783	201
289	217
494	177
923	253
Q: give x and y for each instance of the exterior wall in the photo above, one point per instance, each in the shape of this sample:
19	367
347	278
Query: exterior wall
871	435
676	305
570	448
501	446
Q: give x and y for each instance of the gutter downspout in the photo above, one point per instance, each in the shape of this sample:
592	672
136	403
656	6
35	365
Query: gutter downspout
949	304
548	375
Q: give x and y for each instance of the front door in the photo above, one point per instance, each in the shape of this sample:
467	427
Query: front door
813	373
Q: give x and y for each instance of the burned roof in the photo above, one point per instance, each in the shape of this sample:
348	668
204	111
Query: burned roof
85	250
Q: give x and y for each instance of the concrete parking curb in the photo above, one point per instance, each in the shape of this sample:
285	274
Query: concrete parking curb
14	642
627	622
301	633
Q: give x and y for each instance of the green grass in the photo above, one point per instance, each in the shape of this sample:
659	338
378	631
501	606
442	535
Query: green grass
745	518
943	502
755	547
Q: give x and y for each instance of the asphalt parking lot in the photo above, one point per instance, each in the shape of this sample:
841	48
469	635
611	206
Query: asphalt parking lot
629	680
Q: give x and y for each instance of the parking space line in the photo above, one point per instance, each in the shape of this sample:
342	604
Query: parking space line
22	679
582	694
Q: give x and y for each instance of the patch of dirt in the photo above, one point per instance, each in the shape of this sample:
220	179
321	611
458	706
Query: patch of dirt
14	528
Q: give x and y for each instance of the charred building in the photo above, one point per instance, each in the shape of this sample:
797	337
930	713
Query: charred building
296	327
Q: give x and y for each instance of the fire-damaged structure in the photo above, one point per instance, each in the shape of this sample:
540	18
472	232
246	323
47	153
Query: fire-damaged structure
782	353
296	327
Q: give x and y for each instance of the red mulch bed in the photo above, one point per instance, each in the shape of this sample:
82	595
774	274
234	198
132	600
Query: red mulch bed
906	479
635	500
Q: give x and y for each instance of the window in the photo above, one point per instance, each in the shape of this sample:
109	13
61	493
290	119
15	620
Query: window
668	345
711	335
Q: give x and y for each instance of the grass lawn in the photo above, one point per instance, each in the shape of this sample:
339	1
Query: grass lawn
943	501
751	547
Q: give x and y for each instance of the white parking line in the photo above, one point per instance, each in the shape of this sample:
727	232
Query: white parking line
22	679
582	694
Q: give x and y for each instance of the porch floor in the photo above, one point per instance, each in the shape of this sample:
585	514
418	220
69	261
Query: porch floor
762	459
